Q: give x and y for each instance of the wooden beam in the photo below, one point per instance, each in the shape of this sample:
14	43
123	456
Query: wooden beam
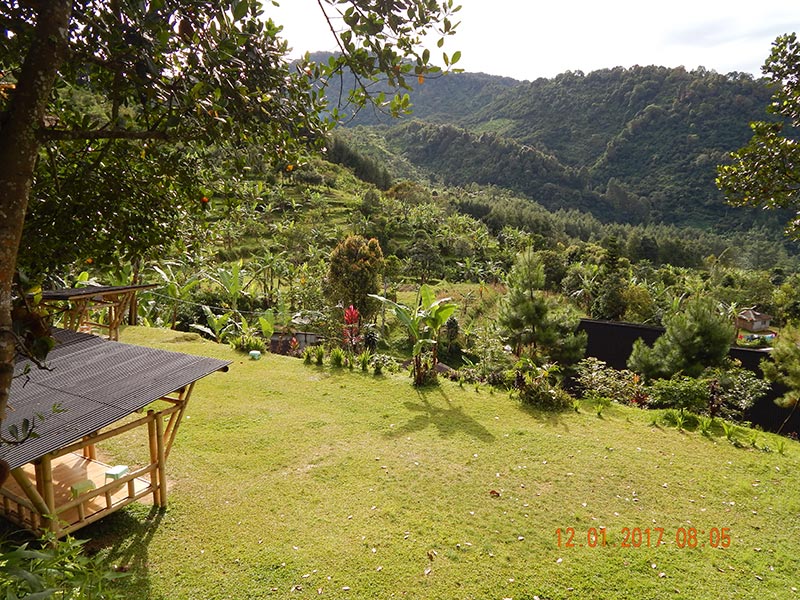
79	445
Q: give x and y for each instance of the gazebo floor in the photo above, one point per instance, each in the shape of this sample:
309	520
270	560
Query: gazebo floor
71	469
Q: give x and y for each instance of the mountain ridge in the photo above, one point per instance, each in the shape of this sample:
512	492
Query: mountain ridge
637	144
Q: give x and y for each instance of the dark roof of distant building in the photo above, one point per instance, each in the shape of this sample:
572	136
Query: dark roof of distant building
753	315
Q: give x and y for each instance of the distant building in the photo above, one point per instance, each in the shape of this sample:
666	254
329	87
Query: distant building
752	320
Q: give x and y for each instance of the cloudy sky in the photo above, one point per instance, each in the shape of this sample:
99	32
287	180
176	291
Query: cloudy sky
526	39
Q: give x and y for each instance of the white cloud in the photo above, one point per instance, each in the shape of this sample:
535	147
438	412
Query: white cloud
526	39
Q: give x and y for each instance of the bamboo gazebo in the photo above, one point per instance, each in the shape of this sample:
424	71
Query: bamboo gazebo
78	304
96	386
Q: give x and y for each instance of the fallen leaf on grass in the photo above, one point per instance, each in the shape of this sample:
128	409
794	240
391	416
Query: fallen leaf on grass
494	493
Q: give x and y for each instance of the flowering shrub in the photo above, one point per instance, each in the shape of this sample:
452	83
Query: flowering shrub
538	386
597	380
352	333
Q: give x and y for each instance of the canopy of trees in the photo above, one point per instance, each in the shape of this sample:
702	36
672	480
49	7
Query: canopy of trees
112	107
766	172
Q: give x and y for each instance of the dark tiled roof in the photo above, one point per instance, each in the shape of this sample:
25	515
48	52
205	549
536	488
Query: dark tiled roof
96	383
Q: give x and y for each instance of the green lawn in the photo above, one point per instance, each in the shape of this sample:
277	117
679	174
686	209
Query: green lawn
291	481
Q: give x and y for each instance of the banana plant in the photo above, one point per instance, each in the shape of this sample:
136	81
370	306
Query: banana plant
218	326
232	282
266	323
423	325
177	290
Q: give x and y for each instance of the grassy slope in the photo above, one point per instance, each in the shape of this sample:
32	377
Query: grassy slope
288	475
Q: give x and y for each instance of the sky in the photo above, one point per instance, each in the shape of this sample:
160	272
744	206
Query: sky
527	39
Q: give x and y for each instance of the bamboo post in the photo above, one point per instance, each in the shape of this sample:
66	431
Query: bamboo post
47	487
175	419
37	477
152	434
162	459
89	451
30	490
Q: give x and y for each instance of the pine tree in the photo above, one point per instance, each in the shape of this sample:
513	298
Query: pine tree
696	337
524	308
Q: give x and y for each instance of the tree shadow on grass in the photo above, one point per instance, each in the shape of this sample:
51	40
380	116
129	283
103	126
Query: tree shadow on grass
123	539
553	418
435	410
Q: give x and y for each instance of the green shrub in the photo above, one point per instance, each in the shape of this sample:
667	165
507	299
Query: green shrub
502	378
308	355
380	362
337	358
59	569
246	342
319	355
537	387
732	390
729	429
192	312
364	360
684	393
596	379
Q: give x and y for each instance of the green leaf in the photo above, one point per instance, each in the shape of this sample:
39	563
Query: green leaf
240	10
204	329
427	296
421	344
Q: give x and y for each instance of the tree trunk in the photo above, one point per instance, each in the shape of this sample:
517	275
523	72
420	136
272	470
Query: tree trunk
19	147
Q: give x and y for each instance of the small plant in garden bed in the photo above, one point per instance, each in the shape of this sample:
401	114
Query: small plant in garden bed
704	425
382	362
729	429
680	419
600	404
308	355
351	331
364	360
319	355
245	342
537	386
337	358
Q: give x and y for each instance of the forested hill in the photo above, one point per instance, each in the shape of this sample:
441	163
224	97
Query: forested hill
638	144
